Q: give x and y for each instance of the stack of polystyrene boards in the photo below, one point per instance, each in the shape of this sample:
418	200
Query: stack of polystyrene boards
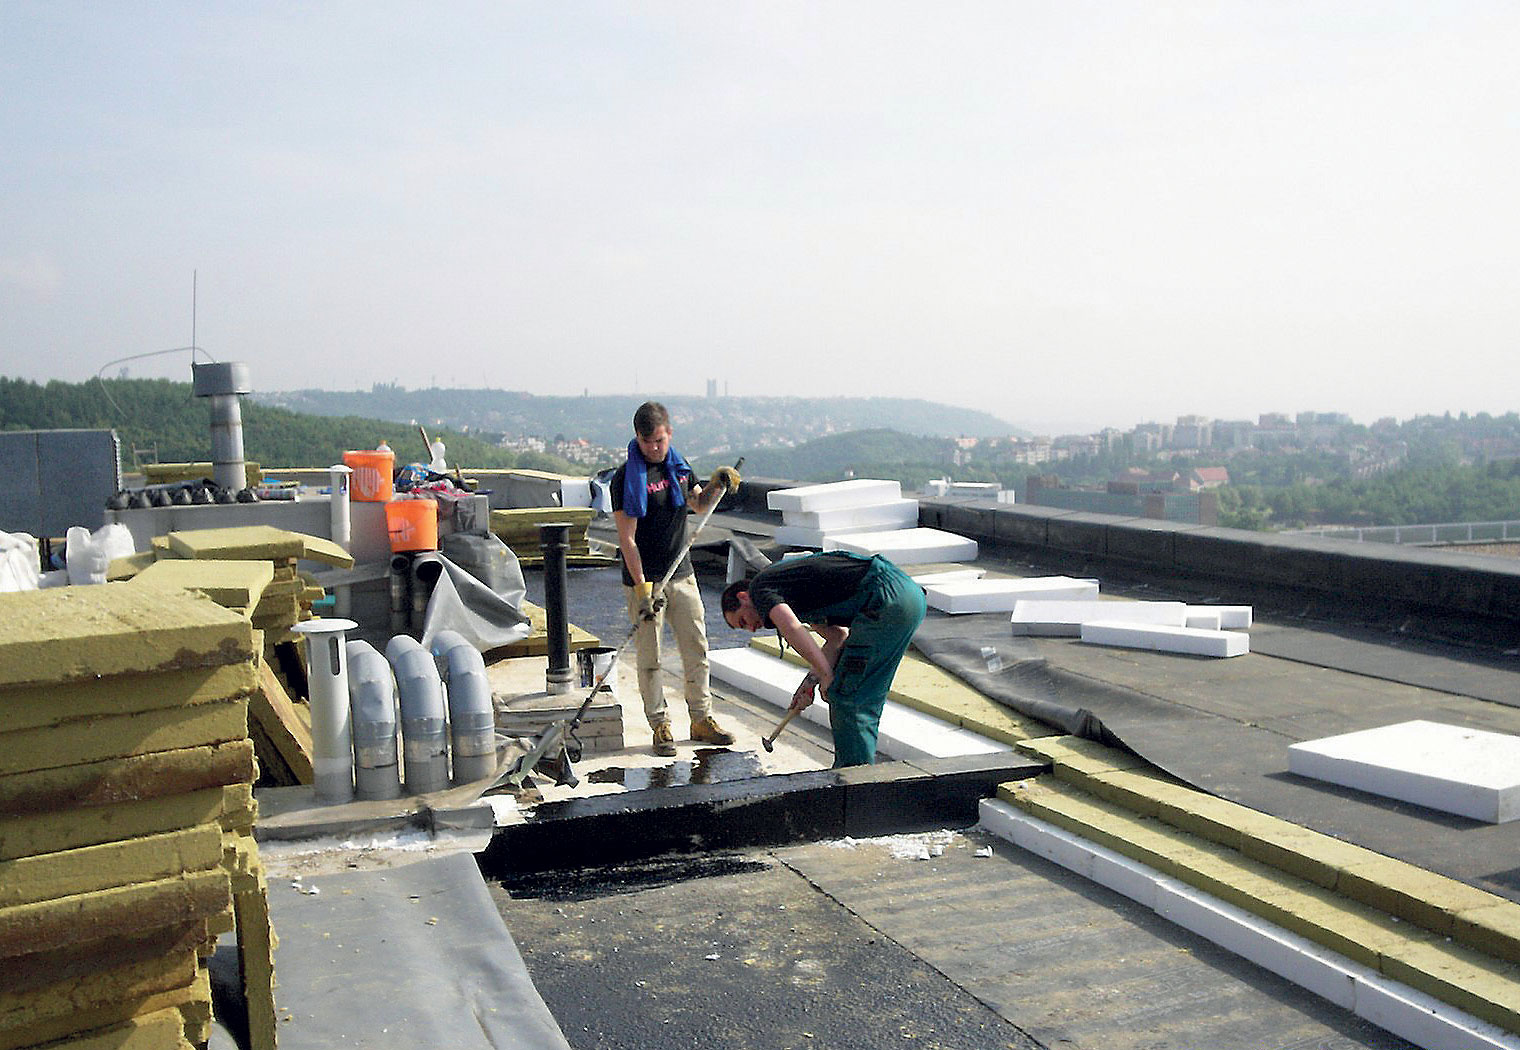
1064	619
1002	595
904	734
812	513
1455	769
907	546
126	817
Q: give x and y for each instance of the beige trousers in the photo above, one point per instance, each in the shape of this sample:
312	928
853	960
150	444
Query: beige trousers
683	611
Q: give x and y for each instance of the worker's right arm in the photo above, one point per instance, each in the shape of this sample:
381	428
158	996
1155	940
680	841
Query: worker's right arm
631	559
821	662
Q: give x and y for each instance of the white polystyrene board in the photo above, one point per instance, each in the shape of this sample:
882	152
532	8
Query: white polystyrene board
1233	617
833	495
797	536
1424	1020
1190	641
906	546
1002	594
896	514
1064	618
904	733
1209	620
1471	772
575	492
947	576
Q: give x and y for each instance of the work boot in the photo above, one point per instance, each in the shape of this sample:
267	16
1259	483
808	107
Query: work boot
708	731
664	740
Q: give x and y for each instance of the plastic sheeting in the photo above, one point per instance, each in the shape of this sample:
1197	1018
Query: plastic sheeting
411	956
484	618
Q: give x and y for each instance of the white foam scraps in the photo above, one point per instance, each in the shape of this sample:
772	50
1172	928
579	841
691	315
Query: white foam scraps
923	845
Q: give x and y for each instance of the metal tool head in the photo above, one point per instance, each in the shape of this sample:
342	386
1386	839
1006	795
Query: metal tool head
770	745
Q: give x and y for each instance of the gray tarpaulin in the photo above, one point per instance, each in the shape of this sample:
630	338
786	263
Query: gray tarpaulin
406	957
462	603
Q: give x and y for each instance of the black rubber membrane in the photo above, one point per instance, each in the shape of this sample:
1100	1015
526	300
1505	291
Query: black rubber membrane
1225	725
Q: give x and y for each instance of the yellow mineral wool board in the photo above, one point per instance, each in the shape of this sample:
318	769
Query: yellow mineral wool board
130	779
38	833
160	1030
117	736
125	568
109	995
231	584
239	808
256	944
258	541
72	634
49	876
56	923
53	704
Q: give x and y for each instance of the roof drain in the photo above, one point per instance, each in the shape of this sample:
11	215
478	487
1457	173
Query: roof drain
372	698
424	747
472	717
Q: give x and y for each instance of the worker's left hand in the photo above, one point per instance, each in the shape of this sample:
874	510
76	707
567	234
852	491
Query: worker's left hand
724	479
643	594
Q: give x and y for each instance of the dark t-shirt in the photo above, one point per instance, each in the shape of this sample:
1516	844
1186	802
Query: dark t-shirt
807	584
660	534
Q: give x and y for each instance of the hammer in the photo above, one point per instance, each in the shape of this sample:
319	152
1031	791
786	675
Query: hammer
770	741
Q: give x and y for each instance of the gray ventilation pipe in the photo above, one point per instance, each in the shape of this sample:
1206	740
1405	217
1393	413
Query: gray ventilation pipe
427	566
401	592
472	717
332	749
424	744
372	698
224	382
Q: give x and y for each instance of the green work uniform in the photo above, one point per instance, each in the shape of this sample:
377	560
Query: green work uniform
881	606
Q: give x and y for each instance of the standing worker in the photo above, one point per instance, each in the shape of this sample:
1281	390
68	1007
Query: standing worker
651	497
866	610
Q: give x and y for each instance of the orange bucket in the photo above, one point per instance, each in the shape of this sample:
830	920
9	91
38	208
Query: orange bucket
412	524
371	482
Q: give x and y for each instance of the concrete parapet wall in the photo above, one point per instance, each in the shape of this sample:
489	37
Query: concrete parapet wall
1453	582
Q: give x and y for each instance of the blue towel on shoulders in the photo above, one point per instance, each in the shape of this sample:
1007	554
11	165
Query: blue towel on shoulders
636	480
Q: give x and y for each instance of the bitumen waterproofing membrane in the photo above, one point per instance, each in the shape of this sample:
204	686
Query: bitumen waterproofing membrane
742	941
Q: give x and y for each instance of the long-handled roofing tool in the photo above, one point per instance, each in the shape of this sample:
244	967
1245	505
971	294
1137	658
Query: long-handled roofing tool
557	746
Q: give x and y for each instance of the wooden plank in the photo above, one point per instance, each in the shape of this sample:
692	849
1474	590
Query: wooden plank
275	713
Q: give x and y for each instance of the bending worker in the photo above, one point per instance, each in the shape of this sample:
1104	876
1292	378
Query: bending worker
651	497
865	610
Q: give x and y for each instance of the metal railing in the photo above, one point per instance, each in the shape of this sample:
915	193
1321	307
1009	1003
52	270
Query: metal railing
1428	535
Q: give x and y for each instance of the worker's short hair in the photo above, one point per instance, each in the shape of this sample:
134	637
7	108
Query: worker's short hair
651	416
730	600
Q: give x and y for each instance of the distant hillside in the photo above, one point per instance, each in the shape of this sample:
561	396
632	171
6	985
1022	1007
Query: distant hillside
703	425
163	416
861	454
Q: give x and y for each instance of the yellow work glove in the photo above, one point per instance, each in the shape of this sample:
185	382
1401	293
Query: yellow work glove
727	477
643	594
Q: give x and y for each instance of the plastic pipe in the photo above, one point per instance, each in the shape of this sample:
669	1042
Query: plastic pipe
554	538
372	703
340	525
401	592
424	743
332	746
472	716
426	568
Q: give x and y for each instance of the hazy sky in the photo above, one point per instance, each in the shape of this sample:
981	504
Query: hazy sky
1068	214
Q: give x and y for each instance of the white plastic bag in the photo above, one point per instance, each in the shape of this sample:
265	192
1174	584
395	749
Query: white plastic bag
20	563
89	555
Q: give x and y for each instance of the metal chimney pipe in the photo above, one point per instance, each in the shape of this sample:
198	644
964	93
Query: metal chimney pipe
224	382
555	541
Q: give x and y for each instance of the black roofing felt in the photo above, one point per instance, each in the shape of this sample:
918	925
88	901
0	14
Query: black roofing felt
1225	725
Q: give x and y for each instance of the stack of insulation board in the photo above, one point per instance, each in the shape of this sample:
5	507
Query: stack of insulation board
126	818
284	602
812	513
279	727
518	528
